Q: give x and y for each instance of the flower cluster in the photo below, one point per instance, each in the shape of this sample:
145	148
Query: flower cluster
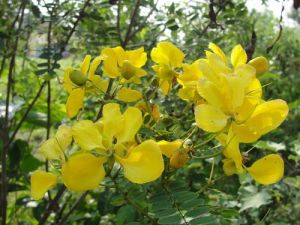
227	101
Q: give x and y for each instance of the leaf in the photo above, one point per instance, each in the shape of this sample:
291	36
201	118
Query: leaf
30	163
125	214
256	200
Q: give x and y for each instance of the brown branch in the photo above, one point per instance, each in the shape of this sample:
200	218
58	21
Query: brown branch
133	15
280	30
6	120
76	204
144	23
52	205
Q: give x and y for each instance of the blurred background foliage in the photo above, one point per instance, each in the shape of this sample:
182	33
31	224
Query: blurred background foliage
39	39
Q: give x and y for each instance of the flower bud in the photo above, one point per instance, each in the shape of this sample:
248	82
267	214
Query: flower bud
77	77
127	70
261	65
178	159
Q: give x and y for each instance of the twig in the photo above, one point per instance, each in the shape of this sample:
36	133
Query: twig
118	22
133	15
280	30
77	203
51	205
6	121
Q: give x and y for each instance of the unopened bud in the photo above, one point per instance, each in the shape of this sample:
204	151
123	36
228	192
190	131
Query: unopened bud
78	78
178	159
127	70
261	65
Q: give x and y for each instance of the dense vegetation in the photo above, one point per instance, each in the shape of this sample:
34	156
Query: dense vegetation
40	40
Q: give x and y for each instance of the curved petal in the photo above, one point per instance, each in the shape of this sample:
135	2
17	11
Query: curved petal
260	64
165	86
137	57
210	118
99	83
244	134
87	135
84	67
68	85
94	65
217	64
64	136
229	167
144	163
41	182
75	102
208	72
191	72
211	93
128	95
83	172
51	150
112	121
267	170
168	148
218	51
238	56
110	63
168	54
132	121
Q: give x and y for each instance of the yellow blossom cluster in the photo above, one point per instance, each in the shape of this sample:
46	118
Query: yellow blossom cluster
227	100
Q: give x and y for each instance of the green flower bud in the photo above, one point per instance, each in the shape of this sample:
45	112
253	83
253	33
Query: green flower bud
261	65
78	78
127	70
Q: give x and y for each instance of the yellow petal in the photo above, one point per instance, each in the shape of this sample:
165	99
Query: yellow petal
165	86
75	102
110	63
238	56
94	65
190	73
41	182
64	136
208	72
87	135
99	83
244	134
187	93
132	121
168	148
137	57
229	167
232	151
267	170
84	67
168	54
144	163
51	150
211	93
217	64
112	121
210	118
128	95
68	85
83	172
218	51
261	65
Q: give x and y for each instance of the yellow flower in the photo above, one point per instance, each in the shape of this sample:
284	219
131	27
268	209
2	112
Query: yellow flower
189	80
114	136
80	81
233	97
127	64
168	58
267	170
152	109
